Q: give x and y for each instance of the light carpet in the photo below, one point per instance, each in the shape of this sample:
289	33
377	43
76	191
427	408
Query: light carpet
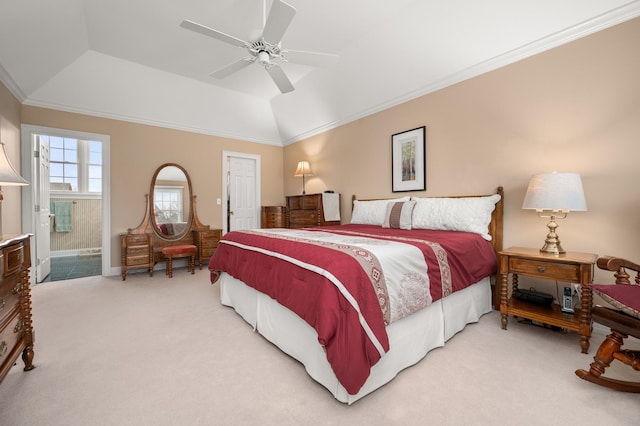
160	351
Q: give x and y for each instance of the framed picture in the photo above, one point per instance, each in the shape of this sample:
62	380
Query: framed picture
408	161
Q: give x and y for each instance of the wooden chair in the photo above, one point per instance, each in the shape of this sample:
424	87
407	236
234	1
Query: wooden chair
624	321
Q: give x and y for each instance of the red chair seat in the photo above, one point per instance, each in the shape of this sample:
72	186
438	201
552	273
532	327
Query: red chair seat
181	249
622	296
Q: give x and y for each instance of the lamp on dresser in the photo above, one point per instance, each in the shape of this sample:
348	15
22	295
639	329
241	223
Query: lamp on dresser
303	170
8	177
557	194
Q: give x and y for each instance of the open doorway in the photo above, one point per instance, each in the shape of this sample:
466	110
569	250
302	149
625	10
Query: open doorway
65	204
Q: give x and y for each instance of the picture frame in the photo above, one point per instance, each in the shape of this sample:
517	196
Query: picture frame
408	160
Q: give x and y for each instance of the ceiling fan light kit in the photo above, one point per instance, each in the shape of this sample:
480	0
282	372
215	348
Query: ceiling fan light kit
267	48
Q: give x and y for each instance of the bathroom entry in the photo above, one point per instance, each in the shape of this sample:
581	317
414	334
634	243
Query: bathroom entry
67	198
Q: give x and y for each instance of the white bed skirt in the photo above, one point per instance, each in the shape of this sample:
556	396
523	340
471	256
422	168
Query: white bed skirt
409	338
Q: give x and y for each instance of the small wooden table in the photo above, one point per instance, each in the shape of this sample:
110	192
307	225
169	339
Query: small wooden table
571	267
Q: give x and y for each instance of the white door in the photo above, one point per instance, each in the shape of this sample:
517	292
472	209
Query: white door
43	222
242	194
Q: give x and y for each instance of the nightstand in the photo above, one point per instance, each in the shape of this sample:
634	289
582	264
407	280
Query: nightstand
571	267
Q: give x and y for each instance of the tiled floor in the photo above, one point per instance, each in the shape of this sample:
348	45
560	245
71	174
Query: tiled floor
64	268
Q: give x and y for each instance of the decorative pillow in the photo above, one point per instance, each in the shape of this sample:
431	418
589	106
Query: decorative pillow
621	296
371	212
399	215
468	214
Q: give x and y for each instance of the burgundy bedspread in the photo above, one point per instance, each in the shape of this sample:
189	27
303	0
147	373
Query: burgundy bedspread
333	293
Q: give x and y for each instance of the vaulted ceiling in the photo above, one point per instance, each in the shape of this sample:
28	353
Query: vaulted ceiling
131	60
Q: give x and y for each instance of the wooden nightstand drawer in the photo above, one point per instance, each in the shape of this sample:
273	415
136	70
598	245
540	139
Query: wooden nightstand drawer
303	217
207	252
138	260
548	270
273	217
137	250
13	257
302	202
137	239
210	243
9	296
10	335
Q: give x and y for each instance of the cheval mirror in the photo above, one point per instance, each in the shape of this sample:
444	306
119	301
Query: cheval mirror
169	197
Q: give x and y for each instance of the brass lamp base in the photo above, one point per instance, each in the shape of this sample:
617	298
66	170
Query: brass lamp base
552	248
552	243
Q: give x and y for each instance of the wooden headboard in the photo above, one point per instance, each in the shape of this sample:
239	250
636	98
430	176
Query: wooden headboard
496	224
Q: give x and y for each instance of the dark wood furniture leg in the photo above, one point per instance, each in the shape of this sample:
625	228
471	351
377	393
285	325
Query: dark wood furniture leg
621	327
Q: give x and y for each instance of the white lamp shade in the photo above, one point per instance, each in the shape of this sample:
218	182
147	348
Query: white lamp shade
303	169
8	175
555	191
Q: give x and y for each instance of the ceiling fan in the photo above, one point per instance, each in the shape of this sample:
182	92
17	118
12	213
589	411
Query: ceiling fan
266	50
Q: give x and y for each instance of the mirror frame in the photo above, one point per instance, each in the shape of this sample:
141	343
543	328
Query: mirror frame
190	204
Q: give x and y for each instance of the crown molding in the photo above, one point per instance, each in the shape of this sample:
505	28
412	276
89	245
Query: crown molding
583	29
10	83
149	122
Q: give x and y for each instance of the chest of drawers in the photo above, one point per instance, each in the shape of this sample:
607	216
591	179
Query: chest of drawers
16	327
273	217
306	210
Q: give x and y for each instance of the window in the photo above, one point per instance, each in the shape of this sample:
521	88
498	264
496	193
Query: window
167	204
75	165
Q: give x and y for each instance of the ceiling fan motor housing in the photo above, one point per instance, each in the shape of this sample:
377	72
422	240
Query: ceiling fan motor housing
263	58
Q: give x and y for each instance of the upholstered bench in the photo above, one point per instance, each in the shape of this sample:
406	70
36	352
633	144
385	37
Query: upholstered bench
184	250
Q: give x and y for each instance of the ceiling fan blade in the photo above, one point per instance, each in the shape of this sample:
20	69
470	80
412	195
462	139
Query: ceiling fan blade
233	67
190	25
315	59
280	16
280	78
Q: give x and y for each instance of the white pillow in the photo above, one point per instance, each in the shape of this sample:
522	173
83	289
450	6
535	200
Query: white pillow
399	215
371	212
468	214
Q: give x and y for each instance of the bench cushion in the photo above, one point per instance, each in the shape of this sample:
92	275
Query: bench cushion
181	249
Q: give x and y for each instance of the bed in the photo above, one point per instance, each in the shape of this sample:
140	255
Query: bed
358	303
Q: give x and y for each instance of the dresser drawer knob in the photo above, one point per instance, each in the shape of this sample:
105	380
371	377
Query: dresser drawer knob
2	303
3	348
17	289
541	269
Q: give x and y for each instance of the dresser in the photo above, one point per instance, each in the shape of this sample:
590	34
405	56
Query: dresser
16	327
207	243
273	217
308	210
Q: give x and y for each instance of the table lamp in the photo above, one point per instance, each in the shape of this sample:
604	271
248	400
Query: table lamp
557	194
303	170
8	177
